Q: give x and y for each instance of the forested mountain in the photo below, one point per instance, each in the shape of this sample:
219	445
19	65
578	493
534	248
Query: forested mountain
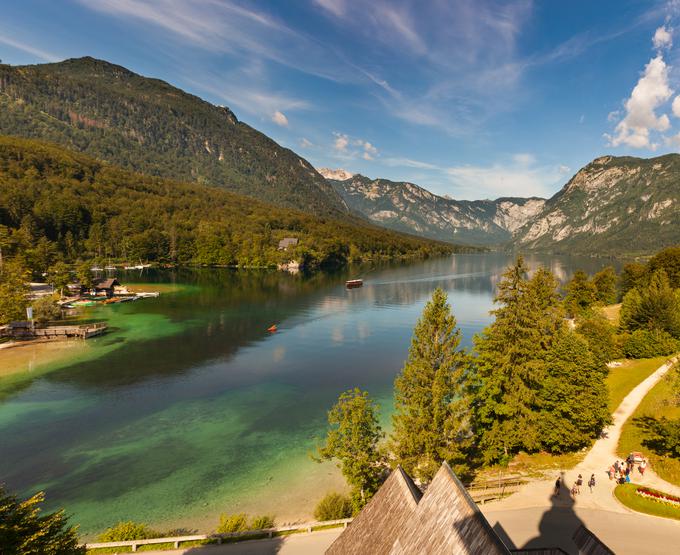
407	207
57	204
149	126
614	205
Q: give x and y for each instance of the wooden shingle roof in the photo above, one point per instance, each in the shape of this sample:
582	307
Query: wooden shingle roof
401	520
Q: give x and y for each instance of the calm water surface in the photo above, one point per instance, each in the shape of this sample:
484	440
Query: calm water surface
189	408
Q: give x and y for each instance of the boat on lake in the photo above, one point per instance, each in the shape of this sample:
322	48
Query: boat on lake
353	283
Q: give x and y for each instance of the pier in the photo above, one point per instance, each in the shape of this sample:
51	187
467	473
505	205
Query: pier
24	330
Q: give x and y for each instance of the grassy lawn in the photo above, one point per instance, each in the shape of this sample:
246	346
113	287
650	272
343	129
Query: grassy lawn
657	403
626	494
622	379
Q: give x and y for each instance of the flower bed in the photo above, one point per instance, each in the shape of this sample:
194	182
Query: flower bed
658	496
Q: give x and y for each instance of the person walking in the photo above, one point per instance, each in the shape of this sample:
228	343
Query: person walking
643	467
611	472
558	486
591	482
579	483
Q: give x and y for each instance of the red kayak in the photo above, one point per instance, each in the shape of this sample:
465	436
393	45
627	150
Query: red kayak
272	329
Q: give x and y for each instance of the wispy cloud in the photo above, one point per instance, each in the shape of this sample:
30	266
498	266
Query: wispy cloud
29	49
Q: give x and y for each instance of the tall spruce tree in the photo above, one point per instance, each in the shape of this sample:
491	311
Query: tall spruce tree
605	282
431	423
573	397
581	294
654	306
510	362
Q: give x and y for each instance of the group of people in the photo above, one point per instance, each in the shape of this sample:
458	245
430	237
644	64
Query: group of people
576	488
622	471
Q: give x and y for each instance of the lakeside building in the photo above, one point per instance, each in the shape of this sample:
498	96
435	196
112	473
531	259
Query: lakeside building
287	242
401	519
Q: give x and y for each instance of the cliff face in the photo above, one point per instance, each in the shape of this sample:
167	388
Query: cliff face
407	207
614	205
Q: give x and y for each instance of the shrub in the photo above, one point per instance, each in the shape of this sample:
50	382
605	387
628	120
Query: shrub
601	338
333	506
649	343
262	522
124	531
46	309
232	523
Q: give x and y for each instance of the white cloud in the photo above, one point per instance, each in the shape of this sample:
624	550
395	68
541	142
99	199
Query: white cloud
652	91
341	142
336	7
524	159
675	107
280	119
562	169
29	49
305	143
663	38
409	163
522	177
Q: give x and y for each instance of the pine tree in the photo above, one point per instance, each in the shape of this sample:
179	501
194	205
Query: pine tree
352	439
604	282
431	423
573	397
24	529
656	306
510	365
14	279
581	294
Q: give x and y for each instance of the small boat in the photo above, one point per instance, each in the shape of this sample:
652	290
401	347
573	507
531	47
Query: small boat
96	269
272	328
353	283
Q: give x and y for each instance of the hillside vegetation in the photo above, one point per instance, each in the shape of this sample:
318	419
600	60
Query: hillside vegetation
60	205
149	126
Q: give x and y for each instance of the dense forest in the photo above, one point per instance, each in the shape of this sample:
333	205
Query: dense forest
149	126
56	205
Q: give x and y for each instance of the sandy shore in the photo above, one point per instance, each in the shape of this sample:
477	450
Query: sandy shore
17	357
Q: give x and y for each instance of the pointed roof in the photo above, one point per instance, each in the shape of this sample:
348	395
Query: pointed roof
400	519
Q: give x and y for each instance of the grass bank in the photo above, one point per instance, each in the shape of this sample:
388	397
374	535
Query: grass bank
659	402
623	379
625	493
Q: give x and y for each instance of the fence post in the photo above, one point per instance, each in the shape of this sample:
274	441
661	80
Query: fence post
309	529
344	524
177	545
134	547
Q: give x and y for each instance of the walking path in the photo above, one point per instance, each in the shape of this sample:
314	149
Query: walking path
534	510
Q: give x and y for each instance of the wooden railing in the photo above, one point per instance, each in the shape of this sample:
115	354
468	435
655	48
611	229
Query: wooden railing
219	538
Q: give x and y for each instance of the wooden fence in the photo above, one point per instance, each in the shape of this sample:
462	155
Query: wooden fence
219	538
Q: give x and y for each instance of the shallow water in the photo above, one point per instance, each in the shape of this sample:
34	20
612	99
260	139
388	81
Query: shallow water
189	408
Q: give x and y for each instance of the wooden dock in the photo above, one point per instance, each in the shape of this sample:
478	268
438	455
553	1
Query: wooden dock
24	330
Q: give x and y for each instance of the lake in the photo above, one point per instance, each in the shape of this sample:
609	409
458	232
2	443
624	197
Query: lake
189	407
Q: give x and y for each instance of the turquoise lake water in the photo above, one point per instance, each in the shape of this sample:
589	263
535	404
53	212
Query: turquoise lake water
189	408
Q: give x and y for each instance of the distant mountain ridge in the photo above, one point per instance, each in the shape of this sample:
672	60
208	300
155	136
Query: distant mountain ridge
149	126
614	205
407	207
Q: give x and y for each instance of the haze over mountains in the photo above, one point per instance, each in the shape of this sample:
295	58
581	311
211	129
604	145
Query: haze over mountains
612	206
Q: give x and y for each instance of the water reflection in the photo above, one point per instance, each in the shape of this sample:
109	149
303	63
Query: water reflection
204	412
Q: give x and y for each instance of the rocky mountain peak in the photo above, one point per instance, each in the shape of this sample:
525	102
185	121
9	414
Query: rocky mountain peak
338	174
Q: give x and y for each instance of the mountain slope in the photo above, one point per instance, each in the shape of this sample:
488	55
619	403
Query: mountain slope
614	205
409	208
58	203
149	126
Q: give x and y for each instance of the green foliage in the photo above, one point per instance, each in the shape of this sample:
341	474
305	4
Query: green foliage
352	440
605	282
333	506
233	523
648	343
45	309
84	274
25	530
581	294
129	530
573	395
14	279
262	522
59	276
601	337
238	522
431	423
147	125
510	364
632	276
654	306
667	260
664	436
128	216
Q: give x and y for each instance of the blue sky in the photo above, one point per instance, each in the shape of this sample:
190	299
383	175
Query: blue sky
469	98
